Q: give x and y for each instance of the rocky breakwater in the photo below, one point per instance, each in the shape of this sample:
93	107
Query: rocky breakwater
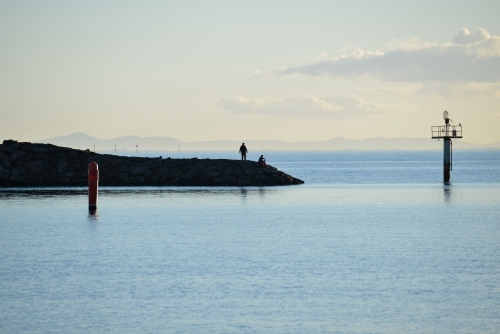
45	165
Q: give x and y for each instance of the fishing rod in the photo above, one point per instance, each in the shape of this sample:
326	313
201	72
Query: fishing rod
23	134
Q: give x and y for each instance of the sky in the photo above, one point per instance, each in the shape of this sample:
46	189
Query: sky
255	70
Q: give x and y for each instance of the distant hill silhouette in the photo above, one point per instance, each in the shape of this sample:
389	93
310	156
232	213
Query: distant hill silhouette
83	141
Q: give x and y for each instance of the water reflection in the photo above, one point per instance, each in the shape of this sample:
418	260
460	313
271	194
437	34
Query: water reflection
7	193
93	216
38	193
447	192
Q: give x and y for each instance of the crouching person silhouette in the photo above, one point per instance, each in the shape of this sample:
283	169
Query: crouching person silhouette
262	161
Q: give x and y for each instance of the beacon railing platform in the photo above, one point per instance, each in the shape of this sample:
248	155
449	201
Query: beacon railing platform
442	131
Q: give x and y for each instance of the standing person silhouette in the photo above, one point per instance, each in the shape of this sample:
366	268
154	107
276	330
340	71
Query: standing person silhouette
243	151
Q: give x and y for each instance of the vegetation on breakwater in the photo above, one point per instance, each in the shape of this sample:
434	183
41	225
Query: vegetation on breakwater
42	165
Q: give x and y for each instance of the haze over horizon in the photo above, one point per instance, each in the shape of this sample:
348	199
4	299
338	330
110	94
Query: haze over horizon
288	71
132	143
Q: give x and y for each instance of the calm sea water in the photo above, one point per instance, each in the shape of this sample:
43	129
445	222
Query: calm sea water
374	242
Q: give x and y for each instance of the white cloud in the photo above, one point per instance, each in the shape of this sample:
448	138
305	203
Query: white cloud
461	90
333	106
473	57
465	37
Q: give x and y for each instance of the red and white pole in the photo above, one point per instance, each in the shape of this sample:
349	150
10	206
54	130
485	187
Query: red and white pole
93	185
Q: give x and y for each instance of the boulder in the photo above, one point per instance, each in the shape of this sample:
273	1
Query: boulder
4	174
40	149
62	181
225	181
17	170
17	179
5	162
7	149
244	181
16	155
34	164
233	171
61	166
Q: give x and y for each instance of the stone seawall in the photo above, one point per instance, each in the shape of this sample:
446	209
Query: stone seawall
45	165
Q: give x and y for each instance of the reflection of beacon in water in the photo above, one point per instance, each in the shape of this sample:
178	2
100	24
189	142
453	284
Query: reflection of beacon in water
447	132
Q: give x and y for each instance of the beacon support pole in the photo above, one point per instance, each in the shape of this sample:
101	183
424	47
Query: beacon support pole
93	179
447	132
446	159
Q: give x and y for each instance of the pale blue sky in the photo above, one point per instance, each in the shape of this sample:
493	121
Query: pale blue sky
190	70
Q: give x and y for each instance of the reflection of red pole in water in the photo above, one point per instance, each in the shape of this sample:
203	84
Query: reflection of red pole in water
93	184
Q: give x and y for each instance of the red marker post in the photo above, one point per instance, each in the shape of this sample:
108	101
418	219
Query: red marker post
93	185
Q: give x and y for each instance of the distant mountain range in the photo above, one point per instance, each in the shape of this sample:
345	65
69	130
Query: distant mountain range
128	143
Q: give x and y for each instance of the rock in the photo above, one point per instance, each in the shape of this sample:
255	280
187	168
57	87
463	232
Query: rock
40	149
12	143
42	156
138	170
156	166
46	175
17	154
225	181
211	174
152	180
277	179
73	167
233	171
254	171
5	183
17	170
244	180
136	181
261	180
24	160
28	175
5	174
177	174
187	167
34	164
17	179
37	169
67	174
61	166
26	164
118	169
5	162
190	174
33	183
7	149
165	176
62	181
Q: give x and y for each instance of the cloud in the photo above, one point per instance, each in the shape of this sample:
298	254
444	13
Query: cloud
472	57
333	106
461	90
465	37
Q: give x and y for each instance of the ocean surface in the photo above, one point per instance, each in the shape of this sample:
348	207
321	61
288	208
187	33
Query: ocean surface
373	242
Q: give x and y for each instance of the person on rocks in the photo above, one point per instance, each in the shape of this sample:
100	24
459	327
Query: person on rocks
262	161
243	151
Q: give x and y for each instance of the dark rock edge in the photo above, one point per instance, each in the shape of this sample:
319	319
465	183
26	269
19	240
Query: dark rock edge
44	165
